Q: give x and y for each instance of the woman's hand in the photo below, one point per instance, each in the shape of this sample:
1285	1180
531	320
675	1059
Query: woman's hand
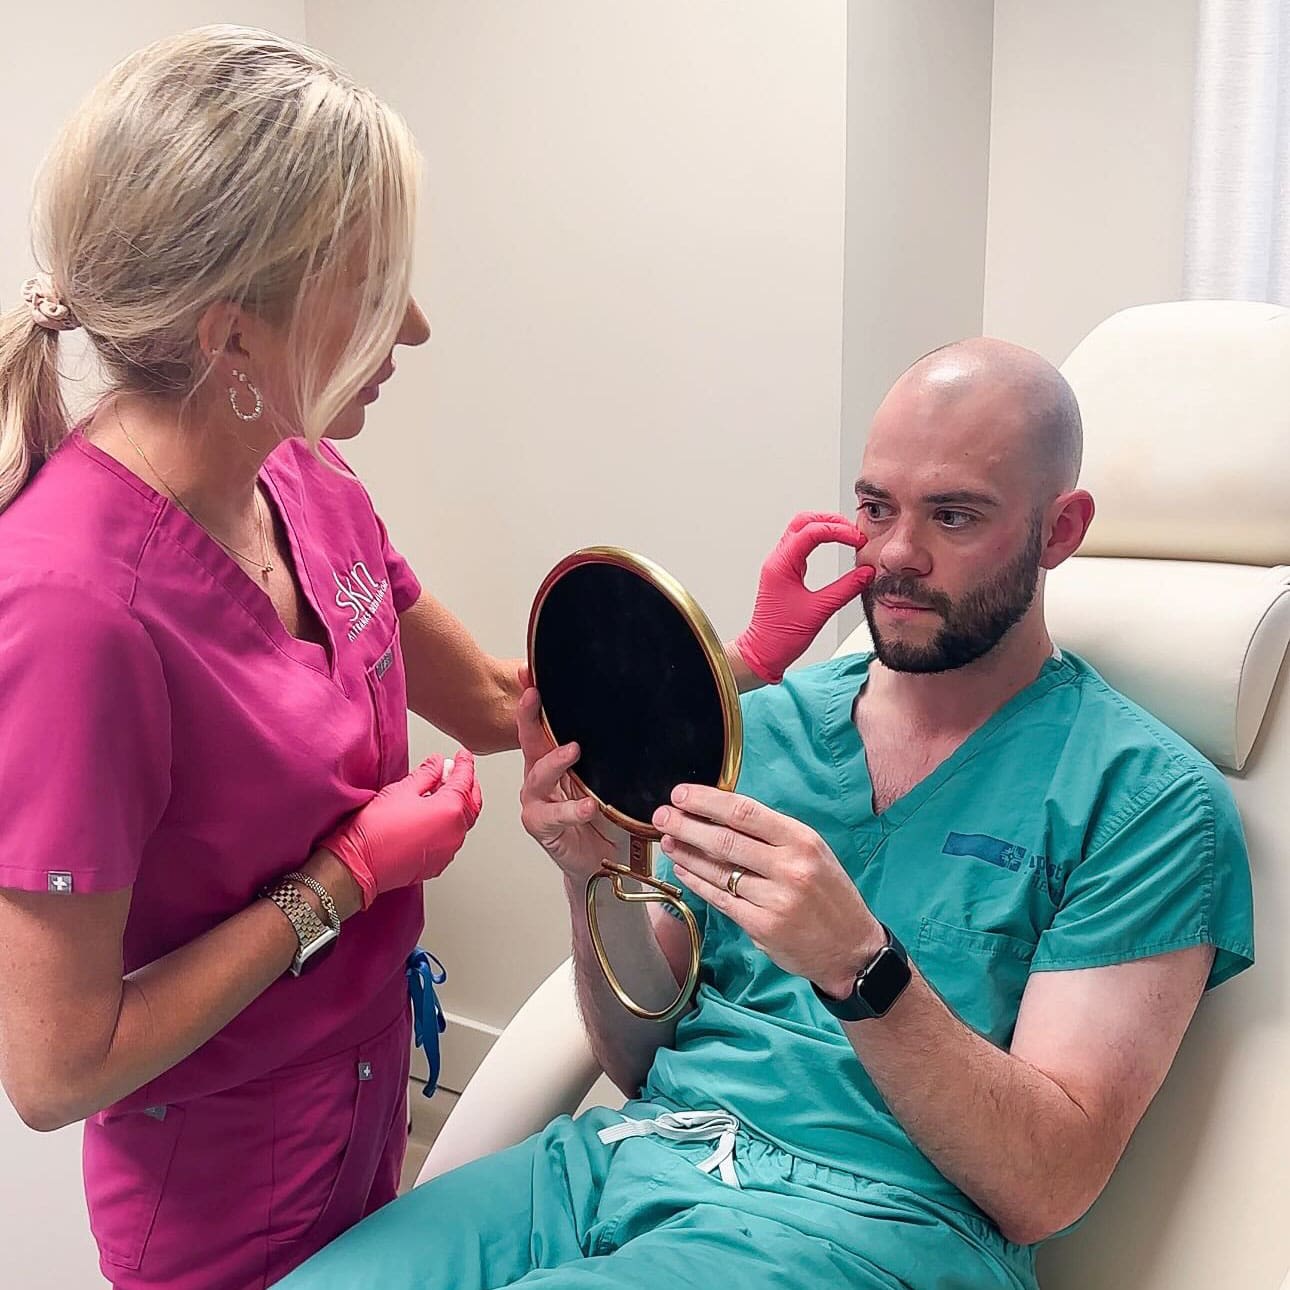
411	829
787	615
567	825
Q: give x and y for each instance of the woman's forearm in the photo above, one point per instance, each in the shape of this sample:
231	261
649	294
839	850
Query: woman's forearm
171	1007
745	678
496	710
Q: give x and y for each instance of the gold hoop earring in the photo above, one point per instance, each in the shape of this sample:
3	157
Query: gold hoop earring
254	414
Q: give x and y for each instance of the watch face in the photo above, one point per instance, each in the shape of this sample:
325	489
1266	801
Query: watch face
312	954
886	978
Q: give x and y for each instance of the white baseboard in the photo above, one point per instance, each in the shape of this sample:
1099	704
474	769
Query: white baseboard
462	1047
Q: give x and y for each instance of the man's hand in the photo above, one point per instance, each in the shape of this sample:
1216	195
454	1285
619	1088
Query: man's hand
794	899
568	825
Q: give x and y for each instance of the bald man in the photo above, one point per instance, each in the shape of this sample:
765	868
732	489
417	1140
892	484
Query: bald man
955	921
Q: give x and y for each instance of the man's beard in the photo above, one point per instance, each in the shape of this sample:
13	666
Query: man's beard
972	626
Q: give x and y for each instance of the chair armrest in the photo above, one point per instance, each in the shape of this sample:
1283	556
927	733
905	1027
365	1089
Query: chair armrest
540	1067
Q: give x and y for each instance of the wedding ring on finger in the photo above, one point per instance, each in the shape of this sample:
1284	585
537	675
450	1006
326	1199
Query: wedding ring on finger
732	883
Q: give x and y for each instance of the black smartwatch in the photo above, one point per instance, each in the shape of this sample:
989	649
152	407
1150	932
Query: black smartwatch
877	985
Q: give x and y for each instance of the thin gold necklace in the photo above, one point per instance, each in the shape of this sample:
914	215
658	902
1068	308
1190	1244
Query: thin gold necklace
264	564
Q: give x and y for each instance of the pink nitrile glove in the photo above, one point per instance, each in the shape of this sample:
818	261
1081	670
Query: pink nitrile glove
411	829
787	616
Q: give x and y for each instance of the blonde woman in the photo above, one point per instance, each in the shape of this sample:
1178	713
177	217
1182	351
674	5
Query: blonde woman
210	849
207	650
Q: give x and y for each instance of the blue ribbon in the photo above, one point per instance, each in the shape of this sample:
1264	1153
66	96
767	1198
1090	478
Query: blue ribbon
424	972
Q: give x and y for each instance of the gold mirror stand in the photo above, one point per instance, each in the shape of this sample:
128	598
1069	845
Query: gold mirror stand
640	869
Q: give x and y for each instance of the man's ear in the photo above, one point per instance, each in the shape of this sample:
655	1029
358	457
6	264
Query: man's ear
1068	519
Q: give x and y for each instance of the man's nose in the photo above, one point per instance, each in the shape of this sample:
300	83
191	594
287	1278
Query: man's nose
903	550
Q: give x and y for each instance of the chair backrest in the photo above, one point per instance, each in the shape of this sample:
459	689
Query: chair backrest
1181	599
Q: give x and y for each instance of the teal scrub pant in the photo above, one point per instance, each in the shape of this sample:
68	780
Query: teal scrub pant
564	1210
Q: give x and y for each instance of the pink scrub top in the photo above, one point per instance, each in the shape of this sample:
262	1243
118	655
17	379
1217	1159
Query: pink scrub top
161	729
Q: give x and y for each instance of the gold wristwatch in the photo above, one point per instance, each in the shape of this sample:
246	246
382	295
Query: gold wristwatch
317	939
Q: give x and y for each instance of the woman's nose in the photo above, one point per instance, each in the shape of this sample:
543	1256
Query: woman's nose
415	329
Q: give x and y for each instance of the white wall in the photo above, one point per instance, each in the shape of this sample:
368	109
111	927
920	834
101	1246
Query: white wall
1089	152
51	60
630	257
918	140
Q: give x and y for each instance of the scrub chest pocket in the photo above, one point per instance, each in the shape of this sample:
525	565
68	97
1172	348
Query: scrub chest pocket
387	690
980	975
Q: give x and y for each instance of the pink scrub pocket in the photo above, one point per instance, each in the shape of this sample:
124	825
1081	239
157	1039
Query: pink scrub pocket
332	1123
236	1189
126	1160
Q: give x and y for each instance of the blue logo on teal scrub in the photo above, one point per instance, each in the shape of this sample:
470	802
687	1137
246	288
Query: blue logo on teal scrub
995	851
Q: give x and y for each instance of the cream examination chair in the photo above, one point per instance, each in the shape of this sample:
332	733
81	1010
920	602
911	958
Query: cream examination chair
1182	600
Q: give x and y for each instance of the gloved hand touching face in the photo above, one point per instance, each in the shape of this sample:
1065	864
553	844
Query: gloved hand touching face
787	616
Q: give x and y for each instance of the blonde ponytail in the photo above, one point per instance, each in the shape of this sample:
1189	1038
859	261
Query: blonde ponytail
33	420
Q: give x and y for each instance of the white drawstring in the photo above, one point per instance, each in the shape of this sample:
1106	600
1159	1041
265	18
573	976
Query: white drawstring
687	1126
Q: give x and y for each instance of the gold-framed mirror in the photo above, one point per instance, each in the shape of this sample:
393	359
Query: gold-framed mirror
629	667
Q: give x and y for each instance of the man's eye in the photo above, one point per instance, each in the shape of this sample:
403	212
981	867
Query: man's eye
873	510
955	519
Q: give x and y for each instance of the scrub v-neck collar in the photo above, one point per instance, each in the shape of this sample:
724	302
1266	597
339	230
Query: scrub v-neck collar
851	763
186	533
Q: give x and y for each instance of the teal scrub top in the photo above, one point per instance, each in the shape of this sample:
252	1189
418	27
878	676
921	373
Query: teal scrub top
1071	830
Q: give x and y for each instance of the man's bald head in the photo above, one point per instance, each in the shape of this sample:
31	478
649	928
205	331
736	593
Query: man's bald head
966	494
1017	389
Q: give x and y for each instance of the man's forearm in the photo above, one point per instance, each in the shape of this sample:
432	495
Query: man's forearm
1000	1129
624	1044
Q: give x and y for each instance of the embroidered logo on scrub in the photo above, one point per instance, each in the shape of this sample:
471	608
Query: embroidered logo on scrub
361	594
1006	855
60	882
